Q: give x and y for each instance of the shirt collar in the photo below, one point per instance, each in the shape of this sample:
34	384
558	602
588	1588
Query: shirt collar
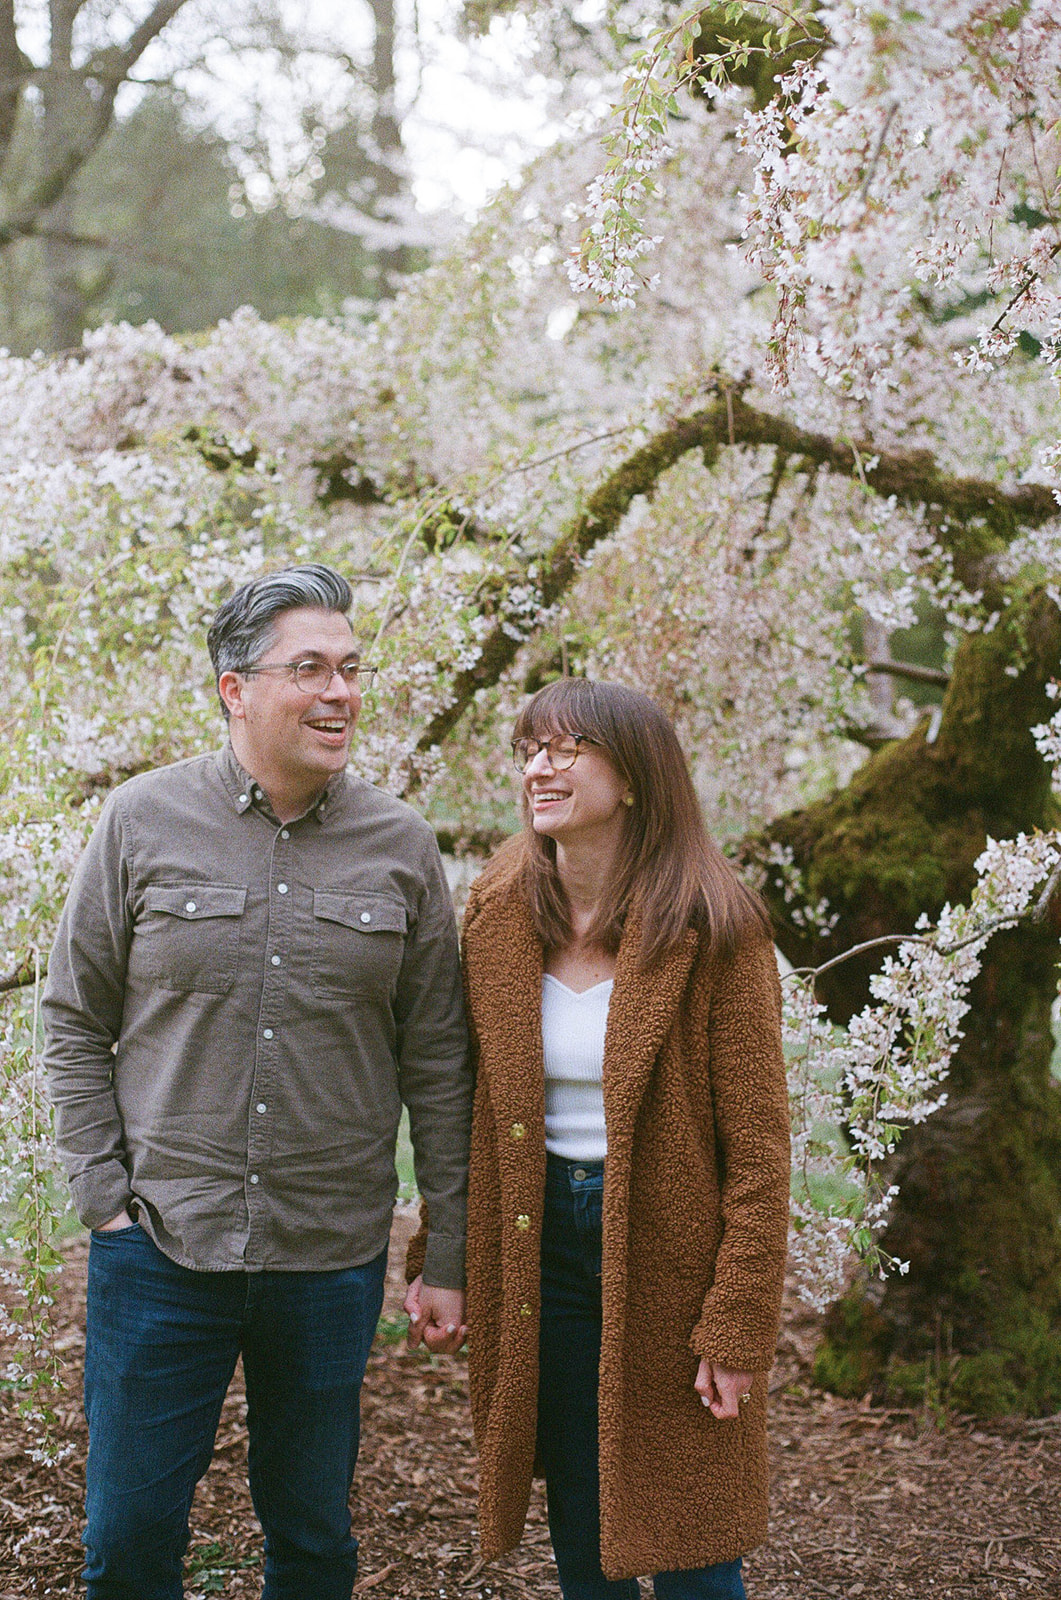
245	792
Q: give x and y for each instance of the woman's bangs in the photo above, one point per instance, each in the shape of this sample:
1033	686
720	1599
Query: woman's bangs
545	715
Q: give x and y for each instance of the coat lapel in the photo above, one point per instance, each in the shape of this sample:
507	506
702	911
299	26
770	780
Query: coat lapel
643	1006
506	1000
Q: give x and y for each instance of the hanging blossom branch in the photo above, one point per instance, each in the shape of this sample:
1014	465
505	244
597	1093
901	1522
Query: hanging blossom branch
615	236
905	164
975	513
854	1092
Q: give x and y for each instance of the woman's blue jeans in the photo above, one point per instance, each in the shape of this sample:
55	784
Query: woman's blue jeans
569	1354
161	1348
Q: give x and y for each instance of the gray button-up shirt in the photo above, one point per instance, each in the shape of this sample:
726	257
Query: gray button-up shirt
237	1008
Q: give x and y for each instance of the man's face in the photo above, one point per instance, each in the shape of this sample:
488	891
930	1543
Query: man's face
295	741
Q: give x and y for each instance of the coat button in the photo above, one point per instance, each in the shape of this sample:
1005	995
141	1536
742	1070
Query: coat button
524	1310
516	1131
523	1222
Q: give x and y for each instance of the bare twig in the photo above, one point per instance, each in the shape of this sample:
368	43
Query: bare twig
1029	283
878	148
907	669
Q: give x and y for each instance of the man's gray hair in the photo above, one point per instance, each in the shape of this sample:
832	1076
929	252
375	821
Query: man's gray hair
243	629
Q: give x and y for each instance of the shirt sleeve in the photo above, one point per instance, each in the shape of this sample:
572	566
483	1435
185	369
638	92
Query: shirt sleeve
435	1072
82	1007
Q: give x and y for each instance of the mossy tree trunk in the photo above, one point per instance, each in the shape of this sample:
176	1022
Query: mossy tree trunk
979	1210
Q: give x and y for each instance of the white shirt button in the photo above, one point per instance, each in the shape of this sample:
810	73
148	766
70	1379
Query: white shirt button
281	888
189	905
243	799
254	1177
267	1033
275	960
256	792
260	1108
285	833
366	917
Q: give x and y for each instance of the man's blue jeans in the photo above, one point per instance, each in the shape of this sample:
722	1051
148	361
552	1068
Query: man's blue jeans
161	1348
569	1354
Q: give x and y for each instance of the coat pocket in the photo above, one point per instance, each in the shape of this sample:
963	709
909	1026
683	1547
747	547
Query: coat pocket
358	943
189	934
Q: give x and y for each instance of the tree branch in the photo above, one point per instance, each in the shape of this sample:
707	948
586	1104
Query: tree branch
558	566
907	669
115	66
13	66
109	70
18	978
976	514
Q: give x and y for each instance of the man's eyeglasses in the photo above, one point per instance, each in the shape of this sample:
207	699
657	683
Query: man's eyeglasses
563	750
313	677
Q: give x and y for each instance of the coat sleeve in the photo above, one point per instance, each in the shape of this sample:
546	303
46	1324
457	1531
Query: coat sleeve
738	1327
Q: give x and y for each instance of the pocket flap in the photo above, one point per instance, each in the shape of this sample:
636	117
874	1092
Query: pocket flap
194	900
368	913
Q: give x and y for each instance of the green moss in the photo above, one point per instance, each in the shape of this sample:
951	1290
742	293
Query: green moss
978	1216
854	1349
1019	1374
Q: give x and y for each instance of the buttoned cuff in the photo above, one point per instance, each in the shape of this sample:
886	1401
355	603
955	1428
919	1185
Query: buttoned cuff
444	1262
100	1193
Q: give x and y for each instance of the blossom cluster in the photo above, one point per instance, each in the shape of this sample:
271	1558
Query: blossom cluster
855	1091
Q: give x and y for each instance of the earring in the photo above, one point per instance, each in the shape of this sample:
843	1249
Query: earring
628	799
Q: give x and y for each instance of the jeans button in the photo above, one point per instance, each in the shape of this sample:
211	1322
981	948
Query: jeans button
579	1173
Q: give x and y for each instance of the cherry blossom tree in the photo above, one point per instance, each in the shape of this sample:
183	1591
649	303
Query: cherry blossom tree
831	417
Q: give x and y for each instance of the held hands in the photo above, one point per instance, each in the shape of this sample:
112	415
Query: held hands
721	1390
436	1318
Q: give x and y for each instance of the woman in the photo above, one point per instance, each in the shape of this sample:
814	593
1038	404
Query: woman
628	1192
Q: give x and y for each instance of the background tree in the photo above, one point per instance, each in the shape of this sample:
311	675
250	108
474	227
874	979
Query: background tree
110	164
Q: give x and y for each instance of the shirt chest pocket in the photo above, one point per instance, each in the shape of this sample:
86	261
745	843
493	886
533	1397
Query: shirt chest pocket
188	936
358	943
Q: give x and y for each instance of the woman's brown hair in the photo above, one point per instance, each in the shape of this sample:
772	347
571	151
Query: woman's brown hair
668	866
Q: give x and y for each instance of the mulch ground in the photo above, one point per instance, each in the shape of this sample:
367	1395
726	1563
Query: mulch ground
872	1503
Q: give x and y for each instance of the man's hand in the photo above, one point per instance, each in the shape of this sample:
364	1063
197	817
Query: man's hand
122	1220
722	1390
436	1318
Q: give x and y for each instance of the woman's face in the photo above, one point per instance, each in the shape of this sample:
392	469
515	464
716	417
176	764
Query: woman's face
582	803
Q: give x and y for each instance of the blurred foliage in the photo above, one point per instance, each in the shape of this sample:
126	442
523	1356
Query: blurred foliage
186	246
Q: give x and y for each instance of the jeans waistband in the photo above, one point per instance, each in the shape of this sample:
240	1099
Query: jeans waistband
563	1173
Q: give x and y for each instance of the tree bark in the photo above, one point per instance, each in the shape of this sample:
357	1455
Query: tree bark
67	112
978	1216
978	517
388	156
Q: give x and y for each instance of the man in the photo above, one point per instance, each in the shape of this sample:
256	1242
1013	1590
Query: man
256	966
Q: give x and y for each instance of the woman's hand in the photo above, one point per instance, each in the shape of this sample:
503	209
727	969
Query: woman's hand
436	1318
721	1389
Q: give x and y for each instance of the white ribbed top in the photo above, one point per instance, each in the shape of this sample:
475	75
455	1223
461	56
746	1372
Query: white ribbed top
573	1039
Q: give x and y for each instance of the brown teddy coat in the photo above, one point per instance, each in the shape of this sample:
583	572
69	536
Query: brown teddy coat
695	1228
